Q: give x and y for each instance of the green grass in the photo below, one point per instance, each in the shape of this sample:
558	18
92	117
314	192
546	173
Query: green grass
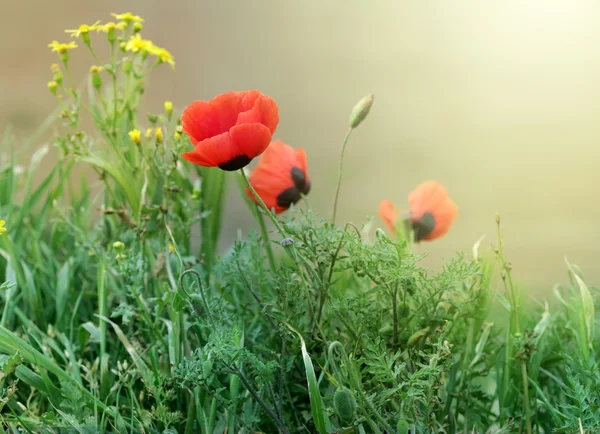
119	314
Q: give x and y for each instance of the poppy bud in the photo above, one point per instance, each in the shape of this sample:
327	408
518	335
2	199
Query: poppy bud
345	405
52	86
96	79
286	242
197	303
402	427
361	110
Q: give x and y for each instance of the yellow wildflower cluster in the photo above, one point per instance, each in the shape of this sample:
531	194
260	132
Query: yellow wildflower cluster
136	44
61	48
2	228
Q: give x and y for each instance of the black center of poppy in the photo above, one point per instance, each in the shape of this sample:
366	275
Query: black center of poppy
293	194
287	197
424	226
236	163
299	178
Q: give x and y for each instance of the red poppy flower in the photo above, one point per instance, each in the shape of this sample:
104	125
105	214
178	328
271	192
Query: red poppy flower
431	211
280	177
230	130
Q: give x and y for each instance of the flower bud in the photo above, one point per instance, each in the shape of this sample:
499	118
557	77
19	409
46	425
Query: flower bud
57	74
345	405
118	246
127	65
159	135
111	33
137	27
96	79
177	136
148	133
361	110
168	108
152	118
52	86
286	242
136	136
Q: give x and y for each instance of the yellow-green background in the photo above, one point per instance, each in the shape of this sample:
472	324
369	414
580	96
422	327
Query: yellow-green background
498	100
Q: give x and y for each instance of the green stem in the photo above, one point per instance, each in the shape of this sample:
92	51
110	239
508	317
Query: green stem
268	247
339	183
262	204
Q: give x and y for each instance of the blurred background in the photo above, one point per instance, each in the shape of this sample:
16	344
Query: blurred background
499	101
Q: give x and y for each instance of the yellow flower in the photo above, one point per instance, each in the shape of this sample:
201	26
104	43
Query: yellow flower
128	17
177	135
136	136
168	108
110	26
136	43
171	247
159	135
162	54
2	228
149	133
83	29
61	48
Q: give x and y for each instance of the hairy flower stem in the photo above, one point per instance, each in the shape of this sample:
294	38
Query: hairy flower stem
262	204
511	290
280	424
339	183
268	247
395	317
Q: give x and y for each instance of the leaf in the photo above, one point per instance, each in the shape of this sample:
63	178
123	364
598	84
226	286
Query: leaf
588	305
481	344
63	283
316	402
417	336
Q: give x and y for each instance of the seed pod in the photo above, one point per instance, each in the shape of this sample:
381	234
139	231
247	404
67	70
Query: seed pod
402	427
345	405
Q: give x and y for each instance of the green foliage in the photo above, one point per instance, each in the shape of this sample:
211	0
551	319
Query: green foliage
119	321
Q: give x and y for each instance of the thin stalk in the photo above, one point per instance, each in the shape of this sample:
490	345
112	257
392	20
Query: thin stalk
510	288
268	247
259	400
262	204
339	183
395	317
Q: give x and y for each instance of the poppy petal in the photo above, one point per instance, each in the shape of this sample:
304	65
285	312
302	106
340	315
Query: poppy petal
260	109
213	151
388	214
250	140
205	119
